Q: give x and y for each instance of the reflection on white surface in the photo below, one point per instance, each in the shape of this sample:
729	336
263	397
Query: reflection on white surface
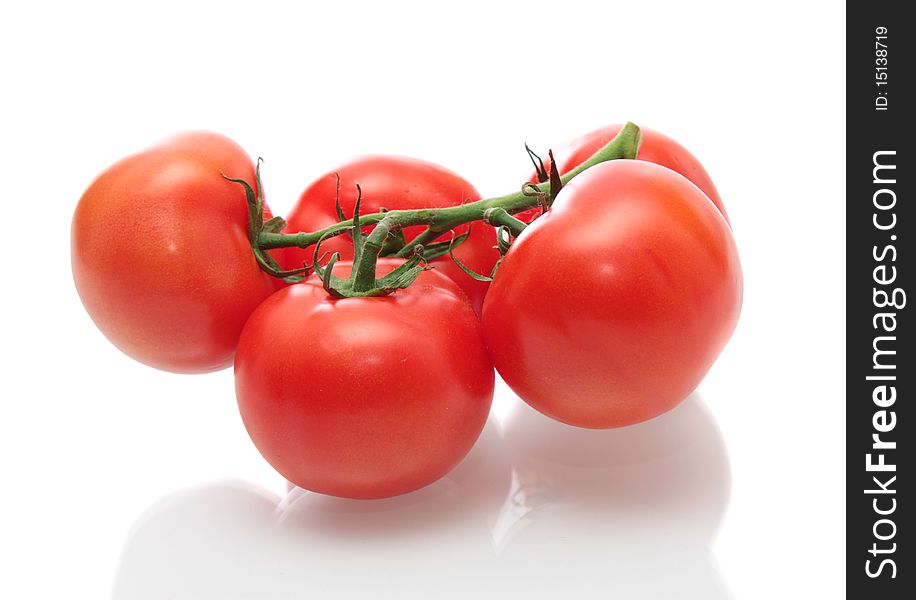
628	512
541	511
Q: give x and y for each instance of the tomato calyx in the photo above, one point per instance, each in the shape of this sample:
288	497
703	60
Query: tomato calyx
507	229
362	282
502	244
257	225
531	189
399	278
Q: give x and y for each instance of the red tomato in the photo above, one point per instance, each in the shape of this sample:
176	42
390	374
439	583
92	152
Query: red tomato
364	397
161	257
656	148
394	182
611	308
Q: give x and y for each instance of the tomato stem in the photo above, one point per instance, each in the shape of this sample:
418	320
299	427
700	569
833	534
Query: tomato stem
426	236
440	220
496	212
498	217
363	275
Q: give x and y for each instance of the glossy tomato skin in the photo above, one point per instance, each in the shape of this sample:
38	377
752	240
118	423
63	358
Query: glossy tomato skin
161	257
394	182
611	308
364	397
656	148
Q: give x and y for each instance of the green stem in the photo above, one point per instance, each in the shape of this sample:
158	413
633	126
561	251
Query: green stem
363	275
624	145
498	217
428	235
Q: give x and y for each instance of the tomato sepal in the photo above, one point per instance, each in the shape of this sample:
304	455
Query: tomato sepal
257	225
438	249
470	272
398	279
539	170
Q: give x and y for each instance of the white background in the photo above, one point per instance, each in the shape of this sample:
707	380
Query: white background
736	494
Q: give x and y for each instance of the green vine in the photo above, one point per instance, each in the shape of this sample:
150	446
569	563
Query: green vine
387	226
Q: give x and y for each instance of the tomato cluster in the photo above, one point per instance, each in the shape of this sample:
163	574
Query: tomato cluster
606	310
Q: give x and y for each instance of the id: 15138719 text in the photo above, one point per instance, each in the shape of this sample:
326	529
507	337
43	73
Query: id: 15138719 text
881	72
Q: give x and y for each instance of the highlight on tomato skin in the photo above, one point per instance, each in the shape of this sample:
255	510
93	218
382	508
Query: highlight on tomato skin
364	397
393	183
610	309
656	147
161	257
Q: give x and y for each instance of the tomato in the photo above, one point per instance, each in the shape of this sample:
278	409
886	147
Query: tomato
656	148
364	397
394	182
161	257
611	308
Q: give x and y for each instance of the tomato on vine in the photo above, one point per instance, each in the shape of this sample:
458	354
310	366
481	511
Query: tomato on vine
162	257
364	397
611	308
